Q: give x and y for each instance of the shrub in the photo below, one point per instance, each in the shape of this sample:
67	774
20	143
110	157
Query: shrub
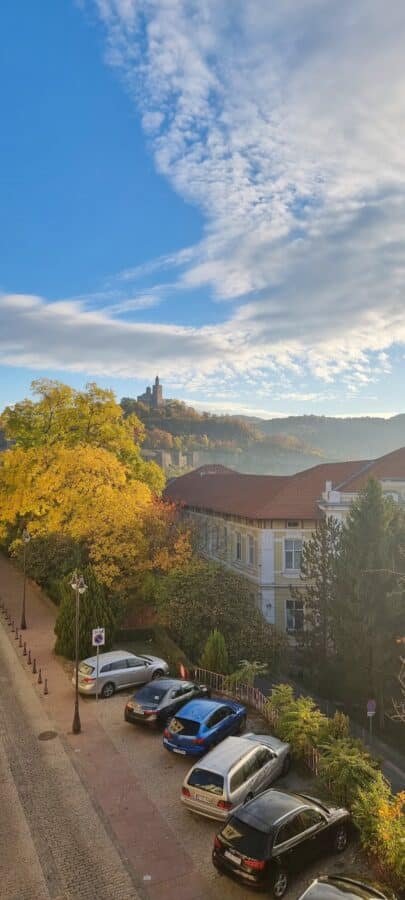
380	818
300	724
215	655
281	697
345	768
246	674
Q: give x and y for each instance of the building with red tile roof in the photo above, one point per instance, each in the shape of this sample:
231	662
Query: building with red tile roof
256	524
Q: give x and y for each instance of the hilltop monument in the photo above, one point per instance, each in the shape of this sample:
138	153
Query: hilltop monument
153	396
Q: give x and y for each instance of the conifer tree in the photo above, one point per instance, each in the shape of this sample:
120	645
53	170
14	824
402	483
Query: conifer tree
96	610
215	656
367	615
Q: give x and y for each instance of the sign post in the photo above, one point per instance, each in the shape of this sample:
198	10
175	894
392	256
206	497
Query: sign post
371	710
97	640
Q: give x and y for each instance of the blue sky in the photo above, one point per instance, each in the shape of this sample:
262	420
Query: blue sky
209	191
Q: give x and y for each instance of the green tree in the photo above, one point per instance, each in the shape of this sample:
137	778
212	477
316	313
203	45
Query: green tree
215	655
97	610
318	565
344	768
203	596
367	615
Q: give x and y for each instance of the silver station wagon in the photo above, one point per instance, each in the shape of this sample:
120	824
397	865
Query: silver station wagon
233	773
118	669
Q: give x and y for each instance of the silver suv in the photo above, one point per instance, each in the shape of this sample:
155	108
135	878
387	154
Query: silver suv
117	669
233	773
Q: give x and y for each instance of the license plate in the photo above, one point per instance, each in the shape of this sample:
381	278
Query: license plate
233	858
176	750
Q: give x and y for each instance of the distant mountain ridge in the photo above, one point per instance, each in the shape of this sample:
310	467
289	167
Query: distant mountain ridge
365	437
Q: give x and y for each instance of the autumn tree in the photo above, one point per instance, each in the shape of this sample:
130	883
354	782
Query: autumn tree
61	415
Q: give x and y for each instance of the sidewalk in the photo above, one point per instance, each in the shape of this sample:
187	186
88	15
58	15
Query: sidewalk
161	868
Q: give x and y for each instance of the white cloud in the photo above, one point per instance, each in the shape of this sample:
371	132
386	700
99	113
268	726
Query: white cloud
284	122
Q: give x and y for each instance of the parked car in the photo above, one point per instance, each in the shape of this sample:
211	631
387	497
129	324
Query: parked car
202	724
343	887
117	669
233	773
276	834
157	702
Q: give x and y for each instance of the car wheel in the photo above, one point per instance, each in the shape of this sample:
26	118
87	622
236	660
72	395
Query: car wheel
108	689
158	673
286	765
280	883
242	725
340	839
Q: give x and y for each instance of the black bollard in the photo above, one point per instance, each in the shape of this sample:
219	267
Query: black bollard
34	667
40	677
16	635
29	658
20	640
24	649
46	686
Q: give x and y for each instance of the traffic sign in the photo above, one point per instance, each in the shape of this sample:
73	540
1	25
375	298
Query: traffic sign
371	707
98	637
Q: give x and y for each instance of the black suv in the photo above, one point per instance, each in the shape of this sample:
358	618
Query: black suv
276	834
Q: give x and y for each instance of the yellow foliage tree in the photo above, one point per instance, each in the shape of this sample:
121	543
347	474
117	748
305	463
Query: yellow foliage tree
62	415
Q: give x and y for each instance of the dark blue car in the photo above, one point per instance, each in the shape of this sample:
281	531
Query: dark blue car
201	724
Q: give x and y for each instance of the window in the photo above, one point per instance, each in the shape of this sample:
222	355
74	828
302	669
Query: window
225	540
121	664
310	818
215	538
218	716
238	545
292	523
264	756
292	551
106	668
132	663
289	830
251	550
295	615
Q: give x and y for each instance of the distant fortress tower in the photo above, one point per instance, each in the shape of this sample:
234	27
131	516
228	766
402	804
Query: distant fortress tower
153	397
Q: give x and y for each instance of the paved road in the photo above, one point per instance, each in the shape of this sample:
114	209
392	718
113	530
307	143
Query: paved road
53	845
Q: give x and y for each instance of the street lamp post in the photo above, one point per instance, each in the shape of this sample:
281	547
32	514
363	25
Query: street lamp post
26	539
79	587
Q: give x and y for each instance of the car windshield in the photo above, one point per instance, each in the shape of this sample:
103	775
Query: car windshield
184	726
151	693
206	781
86	669
248	840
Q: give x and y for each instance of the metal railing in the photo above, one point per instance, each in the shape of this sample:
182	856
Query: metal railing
254	698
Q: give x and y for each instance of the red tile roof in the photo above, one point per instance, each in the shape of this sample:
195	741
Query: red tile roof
392	465
257	496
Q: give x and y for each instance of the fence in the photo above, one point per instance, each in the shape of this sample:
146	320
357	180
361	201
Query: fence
254	698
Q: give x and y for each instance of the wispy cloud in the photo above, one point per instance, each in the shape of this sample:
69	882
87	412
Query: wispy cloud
284	123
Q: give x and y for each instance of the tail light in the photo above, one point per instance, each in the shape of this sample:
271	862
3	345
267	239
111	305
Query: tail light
88	680
257	864
198	741
149	712
185	791
166	732
224	804
217	843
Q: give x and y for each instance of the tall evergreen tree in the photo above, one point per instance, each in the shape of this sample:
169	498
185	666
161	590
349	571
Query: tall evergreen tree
97	610
369	597
318	591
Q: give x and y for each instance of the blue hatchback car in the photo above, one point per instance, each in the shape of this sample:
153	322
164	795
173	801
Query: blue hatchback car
201	724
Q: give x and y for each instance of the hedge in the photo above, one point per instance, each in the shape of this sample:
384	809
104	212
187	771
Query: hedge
351	776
